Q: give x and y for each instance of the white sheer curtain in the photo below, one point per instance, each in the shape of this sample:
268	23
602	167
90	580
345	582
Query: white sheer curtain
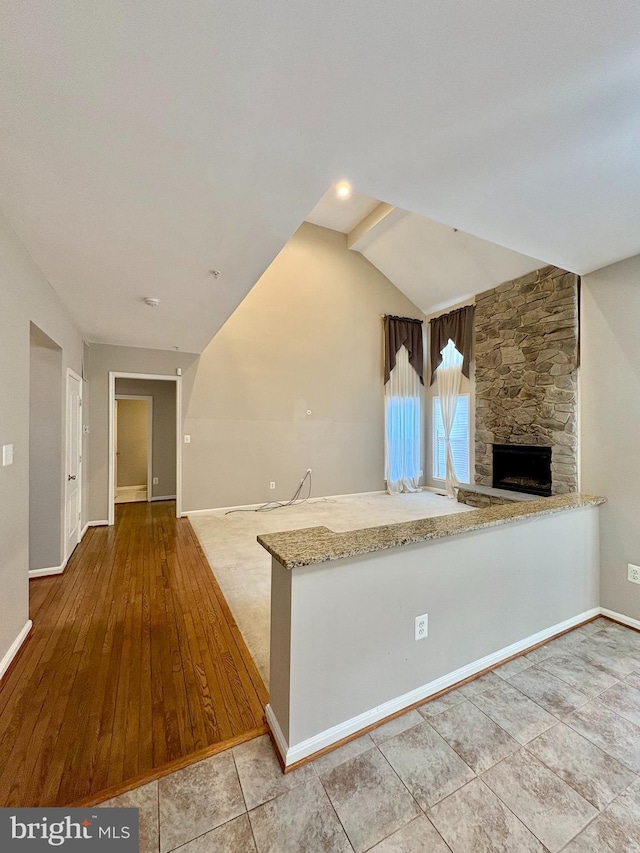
449	378
402	396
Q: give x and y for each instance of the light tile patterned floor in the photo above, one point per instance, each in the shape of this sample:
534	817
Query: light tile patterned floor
130	494
541	755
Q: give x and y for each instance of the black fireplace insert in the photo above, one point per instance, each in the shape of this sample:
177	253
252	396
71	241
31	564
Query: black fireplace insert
522	468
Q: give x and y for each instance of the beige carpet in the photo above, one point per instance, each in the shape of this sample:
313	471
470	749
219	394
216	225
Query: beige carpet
243	568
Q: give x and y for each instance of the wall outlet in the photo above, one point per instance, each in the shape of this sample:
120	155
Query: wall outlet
272	484
7	454
155	481
187	439
421	627
633	573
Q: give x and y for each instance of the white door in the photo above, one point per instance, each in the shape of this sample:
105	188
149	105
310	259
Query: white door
115	444
73	473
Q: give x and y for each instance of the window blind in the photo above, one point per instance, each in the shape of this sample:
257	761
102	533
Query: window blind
459	440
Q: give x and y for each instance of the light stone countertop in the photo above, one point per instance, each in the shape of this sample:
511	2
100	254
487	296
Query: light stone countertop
295	548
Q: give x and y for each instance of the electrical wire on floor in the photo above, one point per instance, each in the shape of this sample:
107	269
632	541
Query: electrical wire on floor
296	500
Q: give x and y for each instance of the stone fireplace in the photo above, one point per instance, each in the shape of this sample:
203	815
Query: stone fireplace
526	362
522	468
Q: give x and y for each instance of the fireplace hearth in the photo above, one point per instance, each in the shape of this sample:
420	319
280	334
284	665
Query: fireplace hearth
522	468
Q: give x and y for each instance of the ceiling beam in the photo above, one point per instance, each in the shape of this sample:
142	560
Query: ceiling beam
368	224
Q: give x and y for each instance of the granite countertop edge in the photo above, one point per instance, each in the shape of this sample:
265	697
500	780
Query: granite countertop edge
312	545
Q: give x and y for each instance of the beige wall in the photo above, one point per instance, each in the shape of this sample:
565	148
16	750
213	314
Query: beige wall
26	297
307	337
133	440
46	431
610	422
101	359
483	591
163	461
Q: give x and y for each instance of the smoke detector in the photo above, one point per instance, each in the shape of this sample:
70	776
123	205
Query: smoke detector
151	301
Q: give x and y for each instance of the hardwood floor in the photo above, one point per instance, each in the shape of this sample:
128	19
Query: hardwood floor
133	665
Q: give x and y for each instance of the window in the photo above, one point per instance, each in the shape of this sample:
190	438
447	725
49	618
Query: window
402	427
459	440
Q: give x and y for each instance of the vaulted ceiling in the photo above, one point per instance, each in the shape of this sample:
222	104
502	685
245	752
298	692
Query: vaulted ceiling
435	265
144	144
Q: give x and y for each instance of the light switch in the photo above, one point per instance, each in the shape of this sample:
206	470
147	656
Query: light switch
187	439
7	454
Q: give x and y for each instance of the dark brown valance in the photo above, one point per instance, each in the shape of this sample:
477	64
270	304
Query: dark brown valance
458	326
403	331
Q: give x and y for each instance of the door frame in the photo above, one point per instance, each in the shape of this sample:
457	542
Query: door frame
115	374
149	400
72	374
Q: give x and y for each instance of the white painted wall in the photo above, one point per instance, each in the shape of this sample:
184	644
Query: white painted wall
484	591
610	421
25	296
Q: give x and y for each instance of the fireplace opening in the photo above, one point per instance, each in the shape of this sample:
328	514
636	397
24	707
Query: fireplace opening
522	468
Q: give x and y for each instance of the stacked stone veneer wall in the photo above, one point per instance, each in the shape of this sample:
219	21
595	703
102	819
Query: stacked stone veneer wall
526	362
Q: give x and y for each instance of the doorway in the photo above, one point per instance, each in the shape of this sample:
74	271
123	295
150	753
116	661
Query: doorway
133	424
163	444
46	424
73	457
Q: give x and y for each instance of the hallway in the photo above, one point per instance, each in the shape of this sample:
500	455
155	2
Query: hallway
134	665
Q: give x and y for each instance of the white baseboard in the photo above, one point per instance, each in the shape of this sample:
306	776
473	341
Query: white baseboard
14	648
43	573
164	498
276	731
620	617
292	754
92	524
255	506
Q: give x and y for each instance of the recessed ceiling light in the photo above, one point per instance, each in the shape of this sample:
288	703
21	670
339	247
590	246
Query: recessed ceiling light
151	301
343	190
